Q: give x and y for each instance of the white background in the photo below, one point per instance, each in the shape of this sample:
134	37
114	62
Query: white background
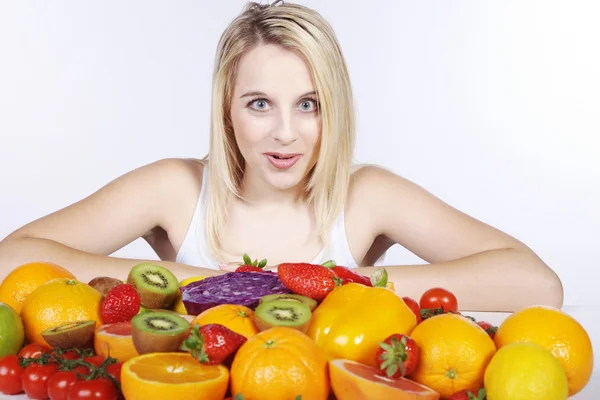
495	108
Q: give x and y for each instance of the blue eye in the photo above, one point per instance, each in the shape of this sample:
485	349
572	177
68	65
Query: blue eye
306	105
258	104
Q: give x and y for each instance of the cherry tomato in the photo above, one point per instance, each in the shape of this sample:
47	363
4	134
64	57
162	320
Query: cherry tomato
439	298
35	380
97	389
67	355
95	360
414	307
33	350
60	383
114	370
10	375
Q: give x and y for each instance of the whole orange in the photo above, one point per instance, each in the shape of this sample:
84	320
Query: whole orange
557	332
235	317
57	302
454	352
280	363
23	280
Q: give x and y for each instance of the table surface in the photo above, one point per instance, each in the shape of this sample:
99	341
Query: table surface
587	316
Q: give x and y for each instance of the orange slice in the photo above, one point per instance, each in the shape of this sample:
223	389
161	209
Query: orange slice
172	376
351	380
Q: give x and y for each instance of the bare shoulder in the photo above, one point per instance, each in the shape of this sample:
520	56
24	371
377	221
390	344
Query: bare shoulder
158	195
410	215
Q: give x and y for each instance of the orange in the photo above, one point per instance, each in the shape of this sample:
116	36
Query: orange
23	280
235	317
172	376
57	302
351	380
454	352
557	332
115	340
280	363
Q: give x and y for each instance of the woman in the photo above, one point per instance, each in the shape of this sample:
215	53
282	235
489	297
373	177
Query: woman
279	183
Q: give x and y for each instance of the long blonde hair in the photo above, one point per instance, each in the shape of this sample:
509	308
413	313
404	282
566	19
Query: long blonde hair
304	31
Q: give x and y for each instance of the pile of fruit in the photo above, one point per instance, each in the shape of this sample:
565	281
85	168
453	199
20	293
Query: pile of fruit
312	332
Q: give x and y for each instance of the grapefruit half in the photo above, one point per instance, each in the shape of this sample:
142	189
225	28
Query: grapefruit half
351	380
115	340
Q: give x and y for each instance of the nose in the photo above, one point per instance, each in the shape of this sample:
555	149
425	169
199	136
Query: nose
284	131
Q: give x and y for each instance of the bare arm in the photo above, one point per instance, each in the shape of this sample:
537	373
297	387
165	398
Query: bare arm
81	236
487	269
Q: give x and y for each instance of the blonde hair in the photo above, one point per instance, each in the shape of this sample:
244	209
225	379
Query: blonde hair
304	31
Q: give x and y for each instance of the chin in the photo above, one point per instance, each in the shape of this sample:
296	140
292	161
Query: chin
284	182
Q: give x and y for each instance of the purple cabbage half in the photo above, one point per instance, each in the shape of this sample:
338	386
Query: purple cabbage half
242	288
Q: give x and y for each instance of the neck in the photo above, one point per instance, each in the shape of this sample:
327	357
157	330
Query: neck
256	191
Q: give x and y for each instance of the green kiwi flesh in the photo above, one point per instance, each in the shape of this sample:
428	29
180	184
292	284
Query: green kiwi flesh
292	314
307	301
78	334
156	285
158	331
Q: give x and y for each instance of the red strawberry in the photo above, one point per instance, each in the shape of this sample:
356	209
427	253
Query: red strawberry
251	266
310	280
468	395
489	328
121	304
213	343
397	356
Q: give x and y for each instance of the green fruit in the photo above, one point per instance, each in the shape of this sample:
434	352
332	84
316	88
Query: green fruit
289	313
79	334
158	331
156	285
307	301
12	333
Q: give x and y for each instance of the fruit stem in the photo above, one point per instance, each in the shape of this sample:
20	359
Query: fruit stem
451	374
329	264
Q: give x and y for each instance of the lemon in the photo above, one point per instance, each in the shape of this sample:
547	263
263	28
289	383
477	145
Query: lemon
179	306
525	371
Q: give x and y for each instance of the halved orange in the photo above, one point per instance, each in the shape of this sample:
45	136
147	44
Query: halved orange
172	376
351	380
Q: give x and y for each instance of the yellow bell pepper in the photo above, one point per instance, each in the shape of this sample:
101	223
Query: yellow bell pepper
353	319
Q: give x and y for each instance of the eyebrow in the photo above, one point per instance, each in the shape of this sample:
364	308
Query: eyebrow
258	93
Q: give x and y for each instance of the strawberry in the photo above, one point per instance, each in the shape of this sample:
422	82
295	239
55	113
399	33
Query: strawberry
489	328
251	266
468	395
121	304
213	343
397	356
310	280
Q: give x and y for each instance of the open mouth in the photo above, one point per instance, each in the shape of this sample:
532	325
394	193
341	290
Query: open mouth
283	161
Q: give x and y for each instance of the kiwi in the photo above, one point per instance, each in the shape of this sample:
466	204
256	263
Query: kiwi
156	285
104	284
307	301
79	334
292	314
158	331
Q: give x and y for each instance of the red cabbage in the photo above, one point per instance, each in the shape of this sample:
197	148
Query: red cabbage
242	288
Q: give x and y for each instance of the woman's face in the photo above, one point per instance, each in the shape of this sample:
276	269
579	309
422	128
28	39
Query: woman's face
275	116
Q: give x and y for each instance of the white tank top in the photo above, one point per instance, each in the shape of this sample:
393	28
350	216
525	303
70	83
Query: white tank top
194	250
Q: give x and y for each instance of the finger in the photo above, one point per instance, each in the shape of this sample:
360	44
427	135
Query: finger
229	267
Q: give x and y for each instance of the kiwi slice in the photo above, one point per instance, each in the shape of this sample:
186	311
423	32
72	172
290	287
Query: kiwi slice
157	286
307	301
292	314
79	334
104	284
158	331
